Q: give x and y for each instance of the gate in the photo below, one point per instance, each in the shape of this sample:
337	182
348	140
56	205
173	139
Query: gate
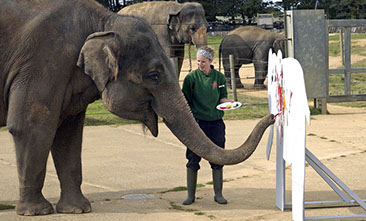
346	27
308	41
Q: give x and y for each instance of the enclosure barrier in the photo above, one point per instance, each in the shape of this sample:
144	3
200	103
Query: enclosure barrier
346	27
232	73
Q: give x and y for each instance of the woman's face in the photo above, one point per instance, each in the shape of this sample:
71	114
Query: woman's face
204	64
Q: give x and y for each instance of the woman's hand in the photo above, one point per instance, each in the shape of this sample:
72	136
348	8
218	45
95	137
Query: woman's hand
223	100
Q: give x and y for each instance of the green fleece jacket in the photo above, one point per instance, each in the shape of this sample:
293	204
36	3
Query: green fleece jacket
203	93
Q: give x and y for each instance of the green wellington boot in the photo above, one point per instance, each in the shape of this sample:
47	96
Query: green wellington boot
217	184
191	186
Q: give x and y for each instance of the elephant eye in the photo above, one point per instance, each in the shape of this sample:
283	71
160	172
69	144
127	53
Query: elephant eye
153	76
193	29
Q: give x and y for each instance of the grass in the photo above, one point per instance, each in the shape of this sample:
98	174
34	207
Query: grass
181	188
176	207
253	107
358	80
196	212
224	180
214	42
354	36
96	114
5	207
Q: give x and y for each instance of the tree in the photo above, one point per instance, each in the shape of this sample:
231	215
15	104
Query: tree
335	9
346	9
250	8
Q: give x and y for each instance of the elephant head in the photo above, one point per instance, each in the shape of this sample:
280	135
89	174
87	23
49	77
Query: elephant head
187	22
137	81
279	44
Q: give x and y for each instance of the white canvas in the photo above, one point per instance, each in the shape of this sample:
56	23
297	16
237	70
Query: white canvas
287	100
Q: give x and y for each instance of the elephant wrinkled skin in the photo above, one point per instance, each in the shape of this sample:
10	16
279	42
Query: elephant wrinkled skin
58	56
175	24
249	44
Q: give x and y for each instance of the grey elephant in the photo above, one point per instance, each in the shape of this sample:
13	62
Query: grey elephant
175	24
249	44
58	56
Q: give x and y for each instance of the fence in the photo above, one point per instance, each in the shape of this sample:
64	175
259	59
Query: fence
308	42
346	27
325	80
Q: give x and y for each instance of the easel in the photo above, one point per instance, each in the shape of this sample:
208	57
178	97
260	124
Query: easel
330	178
307	37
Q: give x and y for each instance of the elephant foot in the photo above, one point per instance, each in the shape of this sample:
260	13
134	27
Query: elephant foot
34	207
238	85
260	86
73	204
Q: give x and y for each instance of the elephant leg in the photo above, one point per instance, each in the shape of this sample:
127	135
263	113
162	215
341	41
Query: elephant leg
237	77
260	74
66	153
33	132
227	72
32	154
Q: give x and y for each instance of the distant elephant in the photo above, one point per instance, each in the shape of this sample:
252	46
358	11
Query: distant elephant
249	44
57	57
175	24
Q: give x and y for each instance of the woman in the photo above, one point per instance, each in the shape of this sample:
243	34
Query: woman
205	88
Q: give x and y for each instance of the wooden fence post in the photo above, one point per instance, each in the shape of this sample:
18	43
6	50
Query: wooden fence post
174	60
233	80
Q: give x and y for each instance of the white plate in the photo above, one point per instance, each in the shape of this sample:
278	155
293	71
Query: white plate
228	106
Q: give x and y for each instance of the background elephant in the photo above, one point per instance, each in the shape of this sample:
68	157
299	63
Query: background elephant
57	56
175	24
249	44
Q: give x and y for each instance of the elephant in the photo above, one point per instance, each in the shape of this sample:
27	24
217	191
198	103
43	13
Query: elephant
175	24
249	44
57	57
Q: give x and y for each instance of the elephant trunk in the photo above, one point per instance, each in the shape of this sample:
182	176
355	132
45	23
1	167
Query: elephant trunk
199	38
185	128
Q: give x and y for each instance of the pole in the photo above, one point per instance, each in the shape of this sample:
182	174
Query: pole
233	79
341	44
174	60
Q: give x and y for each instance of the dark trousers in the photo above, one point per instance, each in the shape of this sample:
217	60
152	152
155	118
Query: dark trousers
215	131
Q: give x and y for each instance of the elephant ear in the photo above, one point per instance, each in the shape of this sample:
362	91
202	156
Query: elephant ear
279	44
99	57
173	20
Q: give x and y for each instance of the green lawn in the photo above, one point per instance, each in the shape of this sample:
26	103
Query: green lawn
253	107
96	114
214	42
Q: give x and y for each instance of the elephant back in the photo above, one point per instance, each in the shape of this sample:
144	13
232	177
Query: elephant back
155	13
253	33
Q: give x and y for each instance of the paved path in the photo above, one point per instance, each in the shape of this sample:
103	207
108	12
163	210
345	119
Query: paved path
118	161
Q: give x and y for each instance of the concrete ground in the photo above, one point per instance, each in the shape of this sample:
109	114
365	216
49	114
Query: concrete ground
123	160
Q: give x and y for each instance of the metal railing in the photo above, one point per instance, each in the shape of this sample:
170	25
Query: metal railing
346	28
